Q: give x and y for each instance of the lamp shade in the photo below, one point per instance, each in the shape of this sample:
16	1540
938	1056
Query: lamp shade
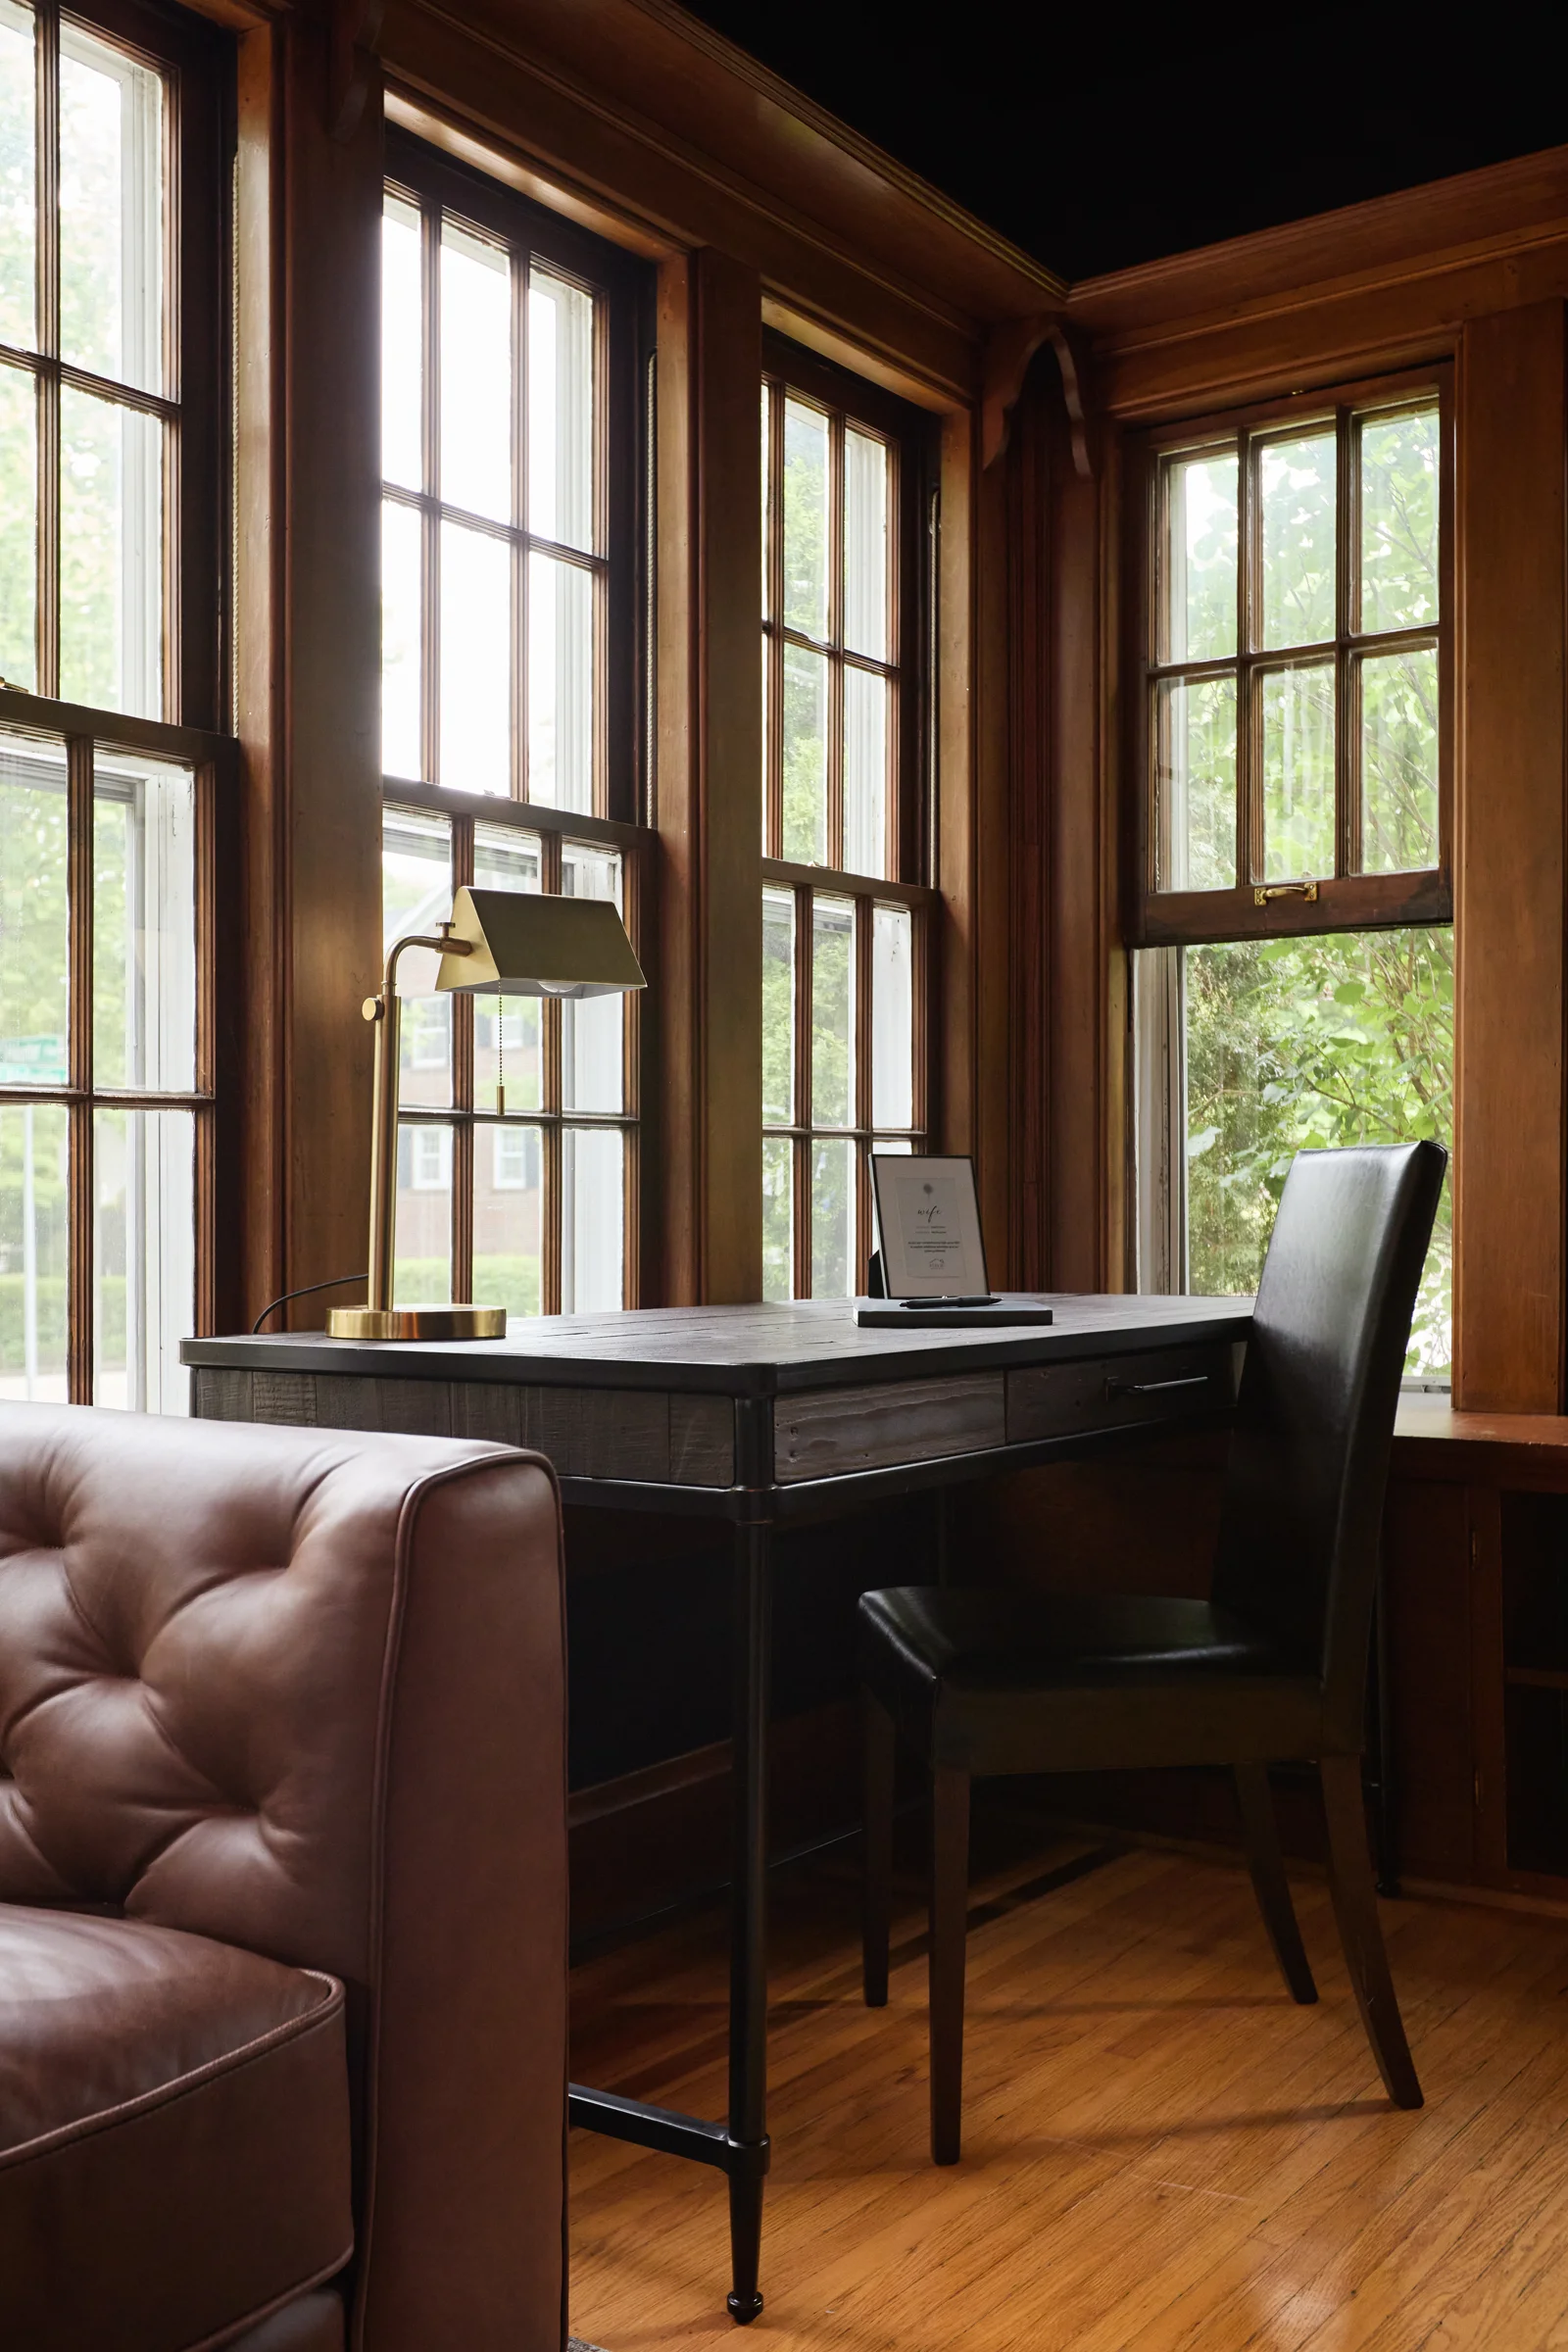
531	945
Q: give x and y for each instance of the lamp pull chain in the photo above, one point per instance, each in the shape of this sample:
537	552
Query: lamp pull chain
500	1059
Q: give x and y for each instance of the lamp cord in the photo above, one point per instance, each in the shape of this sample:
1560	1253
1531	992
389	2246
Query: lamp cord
303	1291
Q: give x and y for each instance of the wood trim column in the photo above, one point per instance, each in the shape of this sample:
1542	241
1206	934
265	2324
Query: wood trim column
708	802
1510	865
308	654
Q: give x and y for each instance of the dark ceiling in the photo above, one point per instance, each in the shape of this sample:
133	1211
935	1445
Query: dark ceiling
1101	138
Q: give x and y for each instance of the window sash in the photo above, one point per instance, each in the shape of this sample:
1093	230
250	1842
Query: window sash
1260	905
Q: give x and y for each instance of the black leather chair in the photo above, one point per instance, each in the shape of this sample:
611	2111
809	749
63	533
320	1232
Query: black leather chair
1272	1667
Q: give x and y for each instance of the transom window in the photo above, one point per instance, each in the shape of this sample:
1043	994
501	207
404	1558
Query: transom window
844	807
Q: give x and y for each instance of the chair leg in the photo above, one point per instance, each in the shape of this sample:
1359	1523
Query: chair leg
1355	1908
1261	1831
950	1922
876	1882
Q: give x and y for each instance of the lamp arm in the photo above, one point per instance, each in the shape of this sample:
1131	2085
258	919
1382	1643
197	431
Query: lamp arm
385	1010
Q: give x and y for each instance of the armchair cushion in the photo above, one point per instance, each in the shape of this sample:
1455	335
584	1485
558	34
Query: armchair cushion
174	2133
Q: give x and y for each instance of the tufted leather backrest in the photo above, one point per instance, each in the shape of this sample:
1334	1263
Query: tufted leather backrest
304	1692
1314	1420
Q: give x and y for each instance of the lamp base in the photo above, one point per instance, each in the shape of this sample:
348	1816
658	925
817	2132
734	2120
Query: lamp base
416	1323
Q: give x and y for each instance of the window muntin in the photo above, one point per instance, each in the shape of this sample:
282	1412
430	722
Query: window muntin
843	916
1294	671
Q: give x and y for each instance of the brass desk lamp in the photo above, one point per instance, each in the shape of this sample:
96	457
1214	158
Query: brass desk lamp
517	941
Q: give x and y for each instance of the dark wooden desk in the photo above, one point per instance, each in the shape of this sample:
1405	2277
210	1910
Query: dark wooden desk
759	1415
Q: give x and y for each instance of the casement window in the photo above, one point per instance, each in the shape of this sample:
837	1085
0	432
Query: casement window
1291	798
844	812
111	207
511	740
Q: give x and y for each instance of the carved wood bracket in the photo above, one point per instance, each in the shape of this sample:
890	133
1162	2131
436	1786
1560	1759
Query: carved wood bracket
1007	363
356	32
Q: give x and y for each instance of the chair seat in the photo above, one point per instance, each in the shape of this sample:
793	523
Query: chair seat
173	2134
946	1660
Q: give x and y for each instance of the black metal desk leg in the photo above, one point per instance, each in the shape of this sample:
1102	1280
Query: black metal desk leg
748	1964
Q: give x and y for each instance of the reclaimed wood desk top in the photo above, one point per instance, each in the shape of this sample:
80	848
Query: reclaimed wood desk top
753	1352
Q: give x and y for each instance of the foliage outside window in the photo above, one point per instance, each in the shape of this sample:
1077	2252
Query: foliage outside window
1293	779
509	448
843	938
105	1093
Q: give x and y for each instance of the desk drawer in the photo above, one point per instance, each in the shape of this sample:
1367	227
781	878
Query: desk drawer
828	1432
1119	1392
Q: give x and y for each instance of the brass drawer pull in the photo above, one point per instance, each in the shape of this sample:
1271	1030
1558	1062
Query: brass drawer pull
1265	891
1151	1388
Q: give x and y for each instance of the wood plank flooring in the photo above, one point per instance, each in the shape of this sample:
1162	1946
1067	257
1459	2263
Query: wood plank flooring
1163	2153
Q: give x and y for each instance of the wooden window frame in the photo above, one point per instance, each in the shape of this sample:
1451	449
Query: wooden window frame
911	437
196	64
436	185
1346	899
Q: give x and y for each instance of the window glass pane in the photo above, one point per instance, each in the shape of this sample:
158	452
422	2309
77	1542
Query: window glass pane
832	1012
475	661
1195	784
778	1006
144	924
144	1258
778	1217
1199	559
866	772
506	1043
1399	521
400	600
111	212
111	555
832	1218
18	178
1297	486
592	1176
592	1028
1399	762
417	896
561	683
34	939
476	375
1298	772
508	1216
804	756
866	545
34	1251
18	525
1306	1042
421	1274
560	411
806	531
892	1017
402	347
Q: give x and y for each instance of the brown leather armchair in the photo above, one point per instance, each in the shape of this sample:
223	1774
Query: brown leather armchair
283	1890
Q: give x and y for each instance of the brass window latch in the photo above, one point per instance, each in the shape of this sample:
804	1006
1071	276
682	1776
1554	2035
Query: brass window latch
1264	891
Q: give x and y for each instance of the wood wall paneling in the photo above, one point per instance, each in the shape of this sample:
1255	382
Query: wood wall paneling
1509	865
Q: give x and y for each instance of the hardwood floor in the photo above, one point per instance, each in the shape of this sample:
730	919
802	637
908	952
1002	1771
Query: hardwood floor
1163	2153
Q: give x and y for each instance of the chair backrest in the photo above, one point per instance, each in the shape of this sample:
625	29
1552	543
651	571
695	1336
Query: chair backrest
1303	1510
304	1692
